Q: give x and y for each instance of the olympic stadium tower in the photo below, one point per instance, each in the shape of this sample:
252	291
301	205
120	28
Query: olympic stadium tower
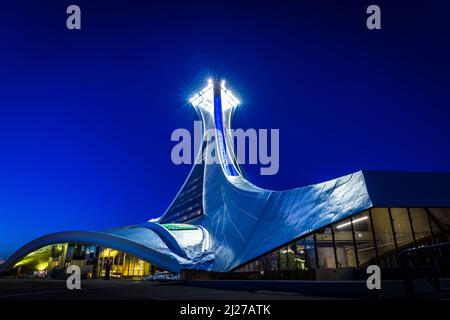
220	223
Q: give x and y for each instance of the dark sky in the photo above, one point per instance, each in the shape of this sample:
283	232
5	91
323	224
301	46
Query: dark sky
86	116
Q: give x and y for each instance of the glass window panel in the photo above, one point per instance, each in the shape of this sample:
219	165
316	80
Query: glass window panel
438	215
283	258
298	255
384	235
365	246
325	249
257	265
289	257
345	251
307	252
295	257
269	262
298	260
421	225
274	261
402	227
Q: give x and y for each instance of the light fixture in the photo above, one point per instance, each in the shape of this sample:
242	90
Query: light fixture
350	222
204	98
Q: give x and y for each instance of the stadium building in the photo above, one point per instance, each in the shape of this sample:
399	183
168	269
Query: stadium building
220	225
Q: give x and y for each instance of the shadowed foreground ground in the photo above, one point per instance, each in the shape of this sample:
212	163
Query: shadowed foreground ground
128	290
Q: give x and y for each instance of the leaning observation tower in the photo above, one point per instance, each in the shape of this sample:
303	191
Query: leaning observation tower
219	220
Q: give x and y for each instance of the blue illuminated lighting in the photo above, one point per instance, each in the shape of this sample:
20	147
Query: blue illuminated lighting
227	163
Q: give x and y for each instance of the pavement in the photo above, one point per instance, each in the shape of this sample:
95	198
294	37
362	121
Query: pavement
34	289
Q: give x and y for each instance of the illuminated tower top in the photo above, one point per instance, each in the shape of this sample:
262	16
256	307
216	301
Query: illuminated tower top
205	98
215	104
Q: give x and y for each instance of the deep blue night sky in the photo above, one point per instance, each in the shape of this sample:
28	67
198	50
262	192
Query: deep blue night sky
86	116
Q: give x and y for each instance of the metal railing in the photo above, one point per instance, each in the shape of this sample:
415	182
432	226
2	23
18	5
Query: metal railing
426	262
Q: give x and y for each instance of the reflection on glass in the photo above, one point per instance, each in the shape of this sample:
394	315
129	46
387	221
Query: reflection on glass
120	265
421	225
371	233
345	250
325	249
402	227
384	236
307	251
365	246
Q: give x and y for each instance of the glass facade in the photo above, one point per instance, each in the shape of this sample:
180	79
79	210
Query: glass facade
385	239
325	248
94	262
365	240
341	251
421	226
188	203
121	265
402	227
345	244
375	236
